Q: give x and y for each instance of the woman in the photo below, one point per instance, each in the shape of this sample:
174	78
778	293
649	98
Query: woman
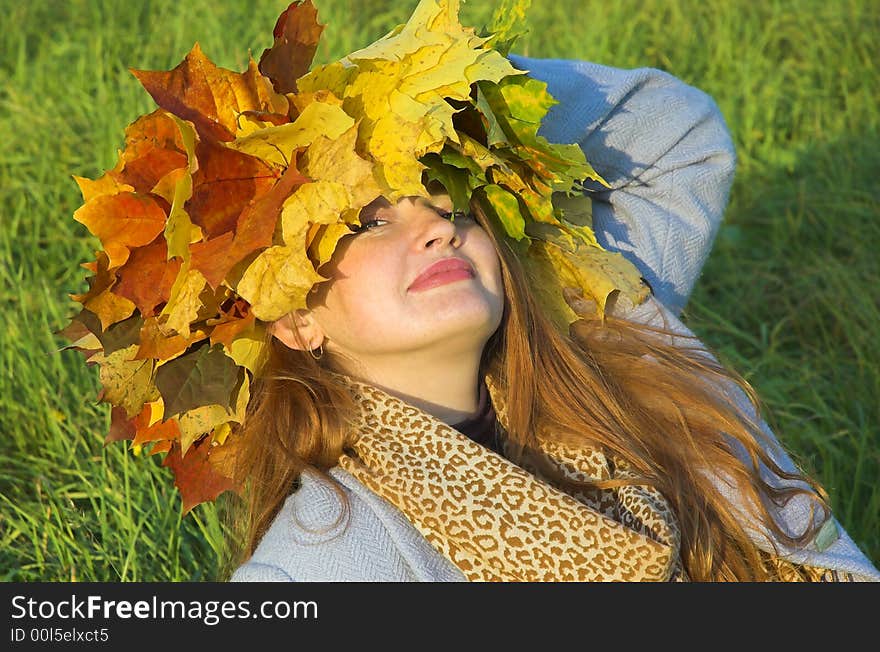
419	351
429	408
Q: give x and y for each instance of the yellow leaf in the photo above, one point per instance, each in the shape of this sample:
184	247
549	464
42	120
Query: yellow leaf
321	250
248	348
278	280
320	202
594	272
108	184
199	421
179	229
277	144
110	308
127	382
337	160
221	433
183	306
333	77
392	145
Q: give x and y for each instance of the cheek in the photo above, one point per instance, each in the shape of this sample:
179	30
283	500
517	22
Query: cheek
362	293
487	259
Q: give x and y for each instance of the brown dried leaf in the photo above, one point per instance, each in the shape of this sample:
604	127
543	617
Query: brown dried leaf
297	32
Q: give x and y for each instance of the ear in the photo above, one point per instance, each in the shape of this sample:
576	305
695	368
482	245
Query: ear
298	330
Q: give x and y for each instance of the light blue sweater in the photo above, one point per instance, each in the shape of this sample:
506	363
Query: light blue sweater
664	148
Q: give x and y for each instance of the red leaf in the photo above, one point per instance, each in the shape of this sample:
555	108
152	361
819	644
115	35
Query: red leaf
196	479
226	182
254	230
256	225
213	258
121	427
147	277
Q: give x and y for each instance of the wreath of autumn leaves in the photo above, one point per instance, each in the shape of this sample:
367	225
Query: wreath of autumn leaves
228	198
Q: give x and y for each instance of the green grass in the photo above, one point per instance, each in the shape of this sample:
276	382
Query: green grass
788	296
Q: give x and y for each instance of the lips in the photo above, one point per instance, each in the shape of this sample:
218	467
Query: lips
442	272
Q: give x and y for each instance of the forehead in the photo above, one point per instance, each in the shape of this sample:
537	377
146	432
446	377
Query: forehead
439	199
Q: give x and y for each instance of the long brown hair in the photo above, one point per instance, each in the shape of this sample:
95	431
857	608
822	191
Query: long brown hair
620	386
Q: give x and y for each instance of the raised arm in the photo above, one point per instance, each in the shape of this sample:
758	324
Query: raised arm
665	150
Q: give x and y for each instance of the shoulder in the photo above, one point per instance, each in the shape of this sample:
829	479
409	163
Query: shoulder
319	537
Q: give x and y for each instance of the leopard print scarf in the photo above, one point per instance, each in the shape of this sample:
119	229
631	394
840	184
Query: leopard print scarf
497	521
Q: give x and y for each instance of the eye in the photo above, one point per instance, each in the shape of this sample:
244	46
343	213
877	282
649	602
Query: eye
365	226
454	215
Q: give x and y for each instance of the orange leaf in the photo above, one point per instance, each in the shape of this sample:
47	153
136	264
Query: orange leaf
159	431
194	475
156	343
297	32
226	331
162	446
122	221
153	148
147	277
102	279
209	96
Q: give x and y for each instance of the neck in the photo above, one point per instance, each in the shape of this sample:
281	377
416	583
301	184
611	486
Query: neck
446	387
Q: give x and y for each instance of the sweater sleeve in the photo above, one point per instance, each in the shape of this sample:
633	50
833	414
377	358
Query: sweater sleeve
666	152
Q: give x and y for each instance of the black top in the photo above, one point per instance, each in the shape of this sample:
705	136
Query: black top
481	425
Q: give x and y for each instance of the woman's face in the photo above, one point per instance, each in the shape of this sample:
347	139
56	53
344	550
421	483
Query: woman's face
381	302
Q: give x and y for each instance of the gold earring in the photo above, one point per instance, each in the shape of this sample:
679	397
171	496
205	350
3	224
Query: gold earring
320	354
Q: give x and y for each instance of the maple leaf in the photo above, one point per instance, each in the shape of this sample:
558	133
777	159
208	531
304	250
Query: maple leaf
276	144
127	382
150	427
209	96
187	297
160	343
248	348
159	431
401	83
100	301
505	205
121	426
194	475
588	271
278	281
206	376
121	335
122	221
297	33
504	26
197	422
226	182
147	277
80	335
153	148
254	230
240	318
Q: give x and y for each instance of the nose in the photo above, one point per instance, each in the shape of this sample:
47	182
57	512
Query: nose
438	231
